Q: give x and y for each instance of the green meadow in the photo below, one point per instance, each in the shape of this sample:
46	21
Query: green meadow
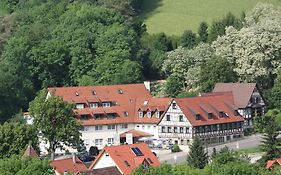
174	16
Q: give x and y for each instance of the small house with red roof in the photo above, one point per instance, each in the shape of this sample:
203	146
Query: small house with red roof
212	118
271	163
123	159
69	165
246	97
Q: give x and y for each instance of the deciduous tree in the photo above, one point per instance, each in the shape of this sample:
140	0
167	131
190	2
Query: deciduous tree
55	120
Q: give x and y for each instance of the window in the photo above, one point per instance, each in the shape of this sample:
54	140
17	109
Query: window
181	129
124	126
98	127
198	117
174	106
110	127
187	130
126	113
236	113
163	129
126	163
168	117
137	151
148	114
169	129
149	160
222	114
110	141
140	114
175	129
120	91
148	127
210	115
105	104
94	105
79	105
98	141
157	114
181	118
84	117
94	92
143	127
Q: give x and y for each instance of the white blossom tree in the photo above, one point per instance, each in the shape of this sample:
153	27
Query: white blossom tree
255	49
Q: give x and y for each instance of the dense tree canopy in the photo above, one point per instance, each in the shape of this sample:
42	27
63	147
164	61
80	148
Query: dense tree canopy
14	138
17	165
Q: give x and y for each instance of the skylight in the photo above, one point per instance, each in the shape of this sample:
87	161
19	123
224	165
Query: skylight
137	151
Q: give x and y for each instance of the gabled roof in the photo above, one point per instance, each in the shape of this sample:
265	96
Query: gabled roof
127	99
209	104
136	133
30	152
69	166
241	92
120	154
270	163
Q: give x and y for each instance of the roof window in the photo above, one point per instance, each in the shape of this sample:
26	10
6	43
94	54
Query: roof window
127	163
126	113
145	102
120	91
94	92
137	151
76	93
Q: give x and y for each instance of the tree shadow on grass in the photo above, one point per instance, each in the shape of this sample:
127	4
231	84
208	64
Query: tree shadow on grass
148	7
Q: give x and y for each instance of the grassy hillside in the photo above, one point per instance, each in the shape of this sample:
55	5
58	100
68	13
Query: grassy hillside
174	16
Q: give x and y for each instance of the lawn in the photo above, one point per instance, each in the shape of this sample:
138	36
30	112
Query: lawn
250	150
174	16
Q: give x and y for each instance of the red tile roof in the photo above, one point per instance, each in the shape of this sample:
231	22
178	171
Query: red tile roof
69	166
30	152
136	133
122	153
270	163
127	99
209	104
241	92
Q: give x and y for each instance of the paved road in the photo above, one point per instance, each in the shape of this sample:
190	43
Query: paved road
245	143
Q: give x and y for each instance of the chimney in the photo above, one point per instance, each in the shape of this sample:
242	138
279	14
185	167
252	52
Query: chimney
74	158
147	85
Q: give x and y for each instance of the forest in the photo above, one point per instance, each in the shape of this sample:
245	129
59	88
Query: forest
93	42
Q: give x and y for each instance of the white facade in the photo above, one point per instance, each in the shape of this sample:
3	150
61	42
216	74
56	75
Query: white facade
104	161
148	128
175	126
101	135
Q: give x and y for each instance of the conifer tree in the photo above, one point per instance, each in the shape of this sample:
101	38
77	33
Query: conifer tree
197	157
270	141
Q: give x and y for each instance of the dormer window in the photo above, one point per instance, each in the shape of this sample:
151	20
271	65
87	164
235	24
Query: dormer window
221	114
79	105
157	114
140	114
236	113
94	105
198	117
210	115
105	104
148	114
